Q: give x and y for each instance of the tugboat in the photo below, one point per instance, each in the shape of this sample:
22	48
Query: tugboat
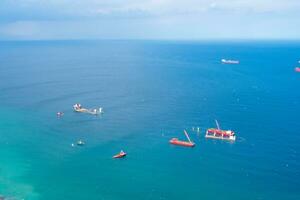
217	133
224	61
176	141
78	108
122	154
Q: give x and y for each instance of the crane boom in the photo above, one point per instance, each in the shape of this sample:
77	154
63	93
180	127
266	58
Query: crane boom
187	135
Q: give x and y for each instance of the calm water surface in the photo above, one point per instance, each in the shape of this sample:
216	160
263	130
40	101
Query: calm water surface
150	91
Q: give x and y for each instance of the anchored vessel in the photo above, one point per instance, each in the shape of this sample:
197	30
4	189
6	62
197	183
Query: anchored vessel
58	114
224	61
188	143
217	133
80	143
78	108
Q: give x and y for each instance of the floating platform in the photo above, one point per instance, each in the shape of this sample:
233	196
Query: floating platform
217	133
214	133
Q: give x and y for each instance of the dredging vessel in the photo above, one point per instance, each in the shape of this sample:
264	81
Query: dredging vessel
176	141
217	133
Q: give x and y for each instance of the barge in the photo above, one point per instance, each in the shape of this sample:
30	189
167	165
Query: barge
217	133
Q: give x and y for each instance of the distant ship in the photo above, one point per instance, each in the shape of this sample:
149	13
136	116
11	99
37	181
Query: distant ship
297	69
224	61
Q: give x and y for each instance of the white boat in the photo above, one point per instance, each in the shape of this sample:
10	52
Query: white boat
80	143
224	61
78	108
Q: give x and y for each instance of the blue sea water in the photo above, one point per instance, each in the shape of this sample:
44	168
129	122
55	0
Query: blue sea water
150	91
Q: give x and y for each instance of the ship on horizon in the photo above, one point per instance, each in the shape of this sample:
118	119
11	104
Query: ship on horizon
224	61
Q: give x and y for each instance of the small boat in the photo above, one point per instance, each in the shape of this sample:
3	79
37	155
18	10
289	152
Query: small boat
120	155
297	69
78	108
224	61
176	141
80	143
59	114
217	133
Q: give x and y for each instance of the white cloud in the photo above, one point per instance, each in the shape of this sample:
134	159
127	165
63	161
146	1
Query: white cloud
149	7
20	29
173	19
169	7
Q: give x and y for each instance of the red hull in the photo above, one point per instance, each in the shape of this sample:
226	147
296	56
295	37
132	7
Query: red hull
297	69
120	155
175	141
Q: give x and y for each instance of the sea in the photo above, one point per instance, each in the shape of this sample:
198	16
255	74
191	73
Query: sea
150	91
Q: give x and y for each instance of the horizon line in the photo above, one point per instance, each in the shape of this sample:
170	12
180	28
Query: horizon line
156	39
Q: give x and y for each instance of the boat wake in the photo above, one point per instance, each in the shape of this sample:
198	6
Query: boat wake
241	139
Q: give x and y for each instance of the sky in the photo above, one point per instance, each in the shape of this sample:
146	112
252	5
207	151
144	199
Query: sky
149	19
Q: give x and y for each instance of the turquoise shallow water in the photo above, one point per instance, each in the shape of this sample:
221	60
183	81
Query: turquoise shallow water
150	91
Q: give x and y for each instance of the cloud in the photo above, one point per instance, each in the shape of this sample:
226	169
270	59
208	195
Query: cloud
64	9
157	19
20	29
